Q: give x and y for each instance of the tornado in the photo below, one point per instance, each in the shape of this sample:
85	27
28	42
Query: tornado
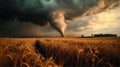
58	21
54	12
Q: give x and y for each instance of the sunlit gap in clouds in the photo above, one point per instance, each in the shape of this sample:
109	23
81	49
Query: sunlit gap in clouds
105	22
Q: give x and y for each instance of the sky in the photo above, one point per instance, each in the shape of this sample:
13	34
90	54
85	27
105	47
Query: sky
33	19
104	22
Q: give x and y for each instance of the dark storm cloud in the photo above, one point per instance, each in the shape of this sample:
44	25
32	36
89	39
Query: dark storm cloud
24	29
53	11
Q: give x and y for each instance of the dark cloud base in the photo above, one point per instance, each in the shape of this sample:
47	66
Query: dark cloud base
55	12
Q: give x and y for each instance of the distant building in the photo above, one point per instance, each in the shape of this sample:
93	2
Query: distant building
82	36
105	35
99	35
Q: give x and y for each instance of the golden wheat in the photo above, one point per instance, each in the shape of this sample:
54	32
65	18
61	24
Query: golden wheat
18	53
59	52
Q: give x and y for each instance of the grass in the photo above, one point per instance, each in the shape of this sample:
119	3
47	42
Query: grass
59	52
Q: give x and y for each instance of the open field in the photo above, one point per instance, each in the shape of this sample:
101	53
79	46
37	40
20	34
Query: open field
60	52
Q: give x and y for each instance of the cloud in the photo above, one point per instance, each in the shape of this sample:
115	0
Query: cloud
105	22
42	12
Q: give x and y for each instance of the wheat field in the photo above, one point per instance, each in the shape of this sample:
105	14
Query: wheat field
60	52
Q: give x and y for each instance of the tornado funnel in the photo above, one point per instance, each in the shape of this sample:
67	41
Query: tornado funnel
58	22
